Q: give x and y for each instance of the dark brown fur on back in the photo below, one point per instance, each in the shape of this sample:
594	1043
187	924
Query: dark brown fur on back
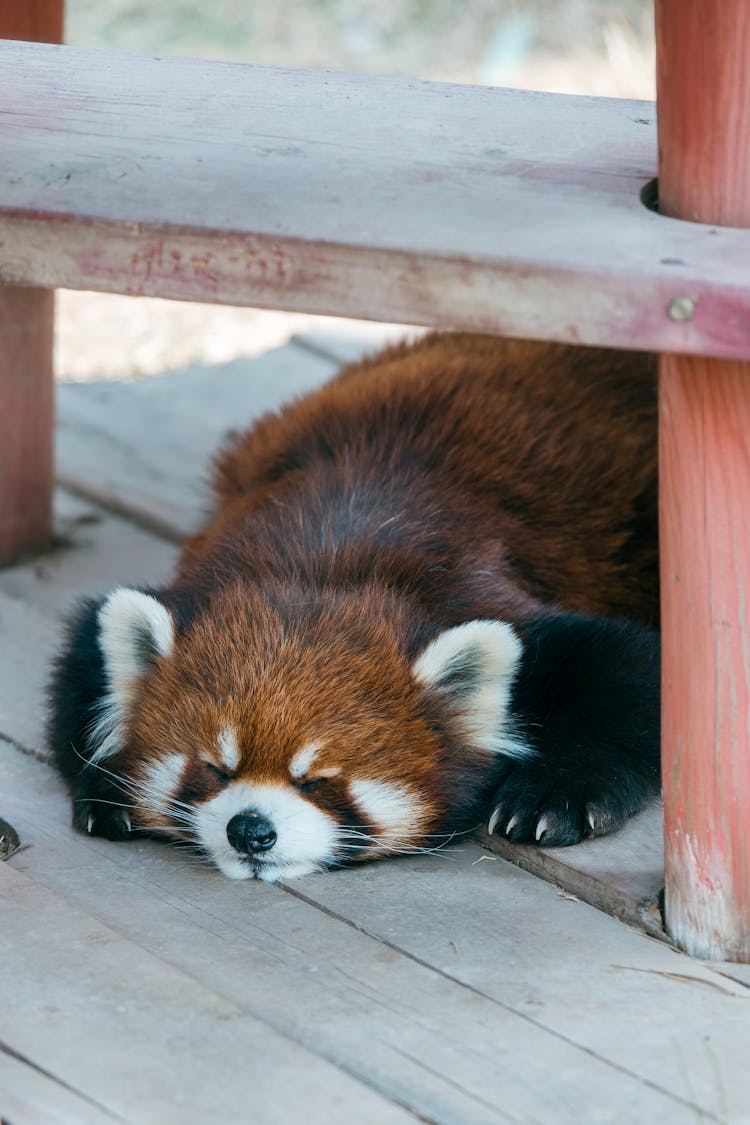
482	470
464	481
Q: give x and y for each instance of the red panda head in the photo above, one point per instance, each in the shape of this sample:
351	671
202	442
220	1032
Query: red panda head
283	733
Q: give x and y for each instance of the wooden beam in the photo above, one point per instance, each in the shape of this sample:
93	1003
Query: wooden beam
38	21
703	67
26	376
422	202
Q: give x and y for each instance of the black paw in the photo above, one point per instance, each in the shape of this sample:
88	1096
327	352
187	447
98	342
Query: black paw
97	818
538	805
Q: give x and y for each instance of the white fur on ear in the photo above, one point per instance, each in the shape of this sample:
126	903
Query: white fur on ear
134	630
474	665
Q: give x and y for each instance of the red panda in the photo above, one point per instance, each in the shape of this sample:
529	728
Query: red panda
427	599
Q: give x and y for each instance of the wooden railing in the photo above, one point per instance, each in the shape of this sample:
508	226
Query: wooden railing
454	206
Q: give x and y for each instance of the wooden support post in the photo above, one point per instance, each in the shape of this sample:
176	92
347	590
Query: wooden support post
26	377
703	90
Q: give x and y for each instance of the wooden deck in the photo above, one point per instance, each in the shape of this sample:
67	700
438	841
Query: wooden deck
455	988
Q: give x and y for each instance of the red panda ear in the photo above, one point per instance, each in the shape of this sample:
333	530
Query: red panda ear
135	630
473	667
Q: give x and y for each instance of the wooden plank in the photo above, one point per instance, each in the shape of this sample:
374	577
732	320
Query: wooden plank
26	317
501	211
28	1096
94	551
98	552
143	1039
144	448
29	640
704	173
622	874
445	1050
678	1024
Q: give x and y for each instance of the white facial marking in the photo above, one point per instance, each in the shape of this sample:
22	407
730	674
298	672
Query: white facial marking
161	780
393	808
125	619
306	836
303	759
229	749
486	654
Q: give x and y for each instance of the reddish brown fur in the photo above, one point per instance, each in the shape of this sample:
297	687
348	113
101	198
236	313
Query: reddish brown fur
526	510
565	513
461	478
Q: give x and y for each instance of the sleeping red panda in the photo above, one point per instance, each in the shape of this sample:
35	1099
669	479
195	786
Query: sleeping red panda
426	600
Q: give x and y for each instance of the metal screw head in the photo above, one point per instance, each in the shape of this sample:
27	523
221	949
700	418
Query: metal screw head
681	308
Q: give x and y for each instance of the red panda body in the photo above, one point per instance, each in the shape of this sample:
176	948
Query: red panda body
407	614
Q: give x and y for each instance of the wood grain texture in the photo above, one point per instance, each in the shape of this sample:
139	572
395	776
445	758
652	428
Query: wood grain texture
107	448
705	532
380	198
704	110
26	397
703	65
26	357
468	991
29	1096
39	21
131	1033
622	874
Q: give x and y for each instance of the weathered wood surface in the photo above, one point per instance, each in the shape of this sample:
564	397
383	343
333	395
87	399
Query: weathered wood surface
26	394
26	358
147	1040
145	448
38	20
452	984
29	1096
622	874
704	175
705	531
704	110
379	198
455	987
96	552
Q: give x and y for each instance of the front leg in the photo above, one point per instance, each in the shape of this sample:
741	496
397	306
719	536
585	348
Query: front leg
78	692
586	702
101	806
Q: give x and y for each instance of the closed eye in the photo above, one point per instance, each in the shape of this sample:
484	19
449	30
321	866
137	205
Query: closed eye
217	772
307	785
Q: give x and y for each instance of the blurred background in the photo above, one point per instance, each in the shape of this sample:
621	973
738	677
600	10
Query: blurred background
571	46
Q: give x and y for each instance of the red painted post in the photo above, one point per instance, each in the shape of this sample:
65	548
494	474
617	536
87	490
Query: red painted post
703	91
26	377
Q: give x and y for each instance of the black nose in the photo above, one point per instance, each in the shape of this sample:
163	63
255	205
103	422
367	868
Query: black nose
250	832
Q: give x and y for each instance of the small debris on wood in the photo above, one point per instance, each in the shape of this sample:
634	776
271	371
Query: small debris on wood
474	862
9	840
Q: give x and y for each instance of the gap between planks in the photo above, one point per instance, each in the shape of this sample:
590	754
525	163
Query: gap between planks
279	963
